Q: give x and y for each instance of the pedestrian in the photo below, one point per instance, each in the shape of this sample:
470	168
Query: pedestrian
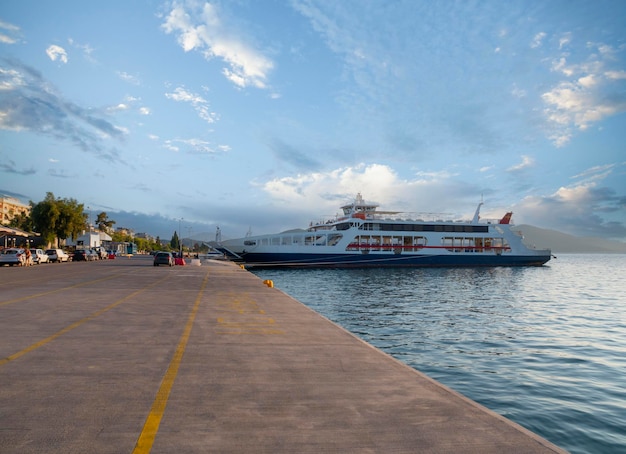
29	259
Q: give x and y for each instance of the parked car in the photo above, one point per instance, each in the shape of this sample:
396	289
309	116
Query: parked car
39	256
101	252
163	258
82	255
13	256
57	255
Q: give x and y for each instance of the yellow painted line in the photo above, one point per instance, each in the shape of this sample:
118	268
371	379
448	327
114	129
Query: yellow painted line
36	295
268	321
264	332
48	339
151	426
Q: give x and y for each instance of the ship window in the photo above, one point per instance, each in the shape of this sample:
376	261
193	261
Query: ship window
320	240
334	239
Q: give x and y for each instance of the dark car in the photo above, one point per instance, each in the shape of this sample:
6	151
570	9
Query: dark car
163	258
82	255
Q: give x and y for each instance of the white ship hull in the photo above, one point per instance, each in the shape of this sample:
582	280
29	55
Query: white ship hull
363	238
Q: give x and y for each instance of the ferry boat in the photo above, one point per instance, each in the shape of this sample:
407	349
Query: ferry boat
365	237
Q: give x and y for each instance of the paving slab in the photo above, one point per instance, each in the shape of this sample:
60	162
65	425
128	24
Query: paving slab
120	356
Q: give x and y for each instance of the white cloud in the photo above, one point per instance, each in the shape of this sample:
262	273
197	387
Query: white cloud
170	146
560	65
129	78
576	104
430	192
6	39
10	79
595	173
57	53
119	107
86	49
194	146
616	75
584	208
537	40
144	111
588	81
518	92
590	95
565	40
7	26
527	162
200	104
200	28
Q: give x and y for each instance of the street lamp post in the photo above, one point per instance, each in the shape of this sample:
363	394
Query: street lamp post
180	240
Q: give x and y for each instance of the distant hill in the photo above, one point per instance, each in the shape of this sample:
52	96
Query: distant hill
564	243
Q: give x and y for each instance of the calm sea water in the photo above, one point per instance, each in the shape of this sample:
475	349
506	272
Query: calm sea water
545	347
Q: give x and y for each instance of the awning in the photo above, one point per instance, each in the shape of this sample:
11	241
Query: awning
6	230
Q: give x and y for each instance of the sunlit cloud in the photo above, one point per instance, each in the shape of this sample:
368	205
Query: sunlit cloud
118	107
595	173
565	40
582	209
86	49
425	192
537	40
55	53
128	78
591	94
527	162
194	146
10	29
200	104
199	27
616	75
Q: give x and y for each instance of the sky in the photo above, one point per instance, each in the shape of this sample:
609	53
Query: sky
263	115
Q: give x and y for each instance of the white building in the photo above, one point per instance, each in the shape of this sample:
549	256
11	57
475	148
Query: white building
89	240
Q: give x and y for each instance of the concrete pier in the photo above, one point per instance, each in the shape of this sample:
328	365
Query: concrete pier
119	356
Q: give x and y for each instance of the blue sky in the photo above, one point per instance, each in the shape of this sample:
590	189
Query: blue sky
267	114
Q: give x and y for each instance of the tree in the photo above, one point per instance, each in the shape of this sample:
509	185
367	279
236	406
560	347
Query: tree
22	221
72	220
58	218
45	215
175	242
104	223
